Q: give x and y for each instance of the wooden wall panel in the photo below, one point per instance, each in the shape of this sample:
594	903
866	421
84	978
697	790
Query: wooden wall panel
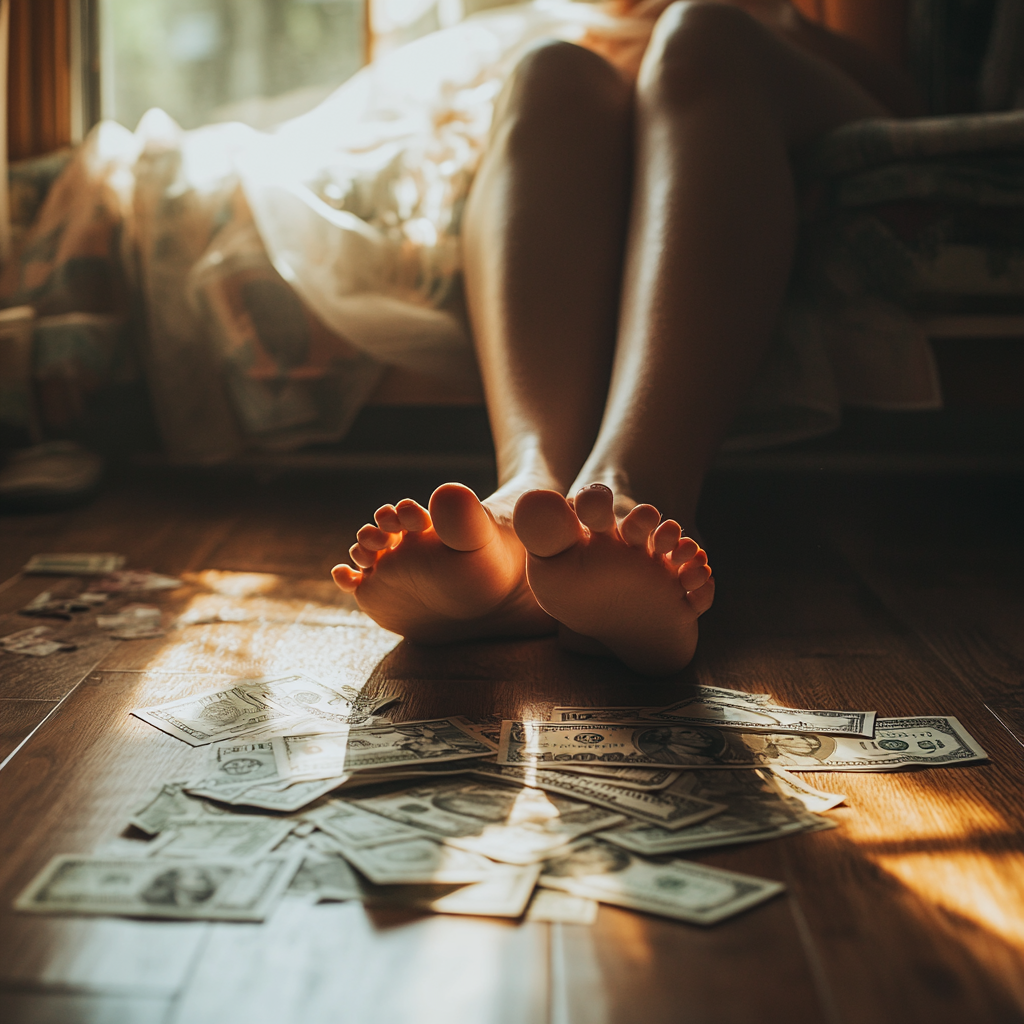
38	78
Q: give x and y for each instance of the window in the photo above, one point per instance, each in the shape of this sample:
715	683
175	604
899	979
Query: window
257	61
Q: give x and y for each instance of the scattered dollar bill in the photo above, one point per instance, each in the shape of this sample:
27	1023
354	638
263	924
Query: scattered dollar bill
35	642
128	580
445	769
288	798
132	622
671	811
169	803
319	756
357	828
609	714
726	693
504	893
257	708
516	826
74	564
316	702
233	768
327	876
420	861
46	606
813	799
198	890
732	714
231	837
485	732
246	774
622	775
583	803
898	742
636	713
209	717
557	907
755	811
680	889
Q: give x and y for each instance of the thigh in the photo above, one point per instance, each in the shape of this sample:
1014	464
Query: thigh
698	49
561	89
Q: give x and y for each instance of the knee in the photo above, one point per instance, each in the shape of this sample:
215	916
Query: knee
559	84
698	47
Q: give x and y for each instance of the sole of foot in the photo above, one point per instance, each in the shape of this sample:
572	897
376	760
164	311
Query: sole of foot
634	588
444	573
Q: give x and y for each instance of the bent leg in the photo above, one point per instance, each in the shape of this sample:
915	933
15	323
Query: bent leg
543	235
721	102
543	244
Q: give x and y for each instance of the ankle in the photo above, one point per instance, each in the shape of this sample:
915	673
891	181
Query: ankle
502	502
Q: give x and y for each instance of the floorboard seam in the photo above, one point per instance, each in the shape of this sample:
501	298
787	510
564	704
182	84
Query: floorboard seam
819	976
829	1006
85	675
174	1002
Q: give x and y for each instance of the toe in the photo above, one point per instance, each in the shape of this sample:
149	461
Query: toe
593	505
639	524
387	519
361	556
373	538
545	523
412	515
667	537
347	578
695	573
686	549
459	519
701	599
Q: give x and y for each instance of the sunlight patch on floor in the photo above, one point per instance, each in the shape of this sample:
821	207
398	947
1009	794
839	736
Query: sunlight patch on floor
905	808
944	847
982	887
256	624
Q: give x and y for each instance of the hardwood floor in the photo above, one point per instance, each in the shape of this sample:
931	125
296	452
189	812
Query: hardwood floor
905	598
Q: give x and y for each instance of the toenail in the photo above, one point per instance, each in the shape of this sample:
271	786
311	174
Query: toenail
598	487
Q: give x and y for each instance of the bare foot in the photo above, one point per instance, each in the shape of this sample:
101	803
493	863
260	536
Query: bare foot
454	572
635	589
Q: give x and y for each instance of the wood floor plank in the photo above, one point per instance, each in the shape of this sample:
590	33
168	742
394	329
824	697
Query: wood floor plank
67	1008
339	964
25	677
69	790
917	896
726	973
17	719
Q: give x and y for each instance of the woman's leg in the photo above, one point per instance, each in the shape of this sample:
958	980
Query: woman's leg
721	103
543	233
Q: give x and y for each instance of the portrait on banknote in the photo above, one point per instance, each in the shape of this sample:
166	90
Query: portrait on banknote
790	750
680	745
423	741
588	858
186	886
482	802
